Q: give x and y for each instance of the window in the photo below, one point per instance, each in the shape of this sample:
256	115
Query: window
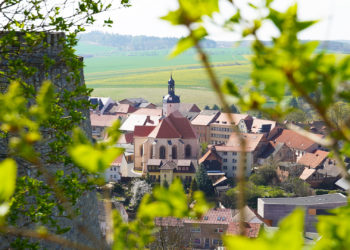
224	167
195	229
197	241
141	150
234	160
217	242
206	217
219	230
187	151
151	152
225	160
234	153
162	152
225	153
174	152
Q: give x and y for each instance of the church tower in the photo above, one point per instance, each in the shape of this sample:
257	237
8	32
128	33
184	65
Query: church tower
171	102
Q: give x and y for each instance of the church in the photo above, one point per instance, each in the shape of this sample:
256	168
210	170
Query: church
171	148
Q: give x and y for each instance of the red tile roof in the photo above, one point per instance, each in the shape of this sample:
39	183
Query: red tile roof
251	230
118	160
294	140
174	126
165	129
127	138
143	131
313	159
103	120
149	111
168	221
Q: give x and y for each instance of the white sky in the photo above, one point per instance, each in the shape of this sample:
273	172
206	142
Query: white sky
143	19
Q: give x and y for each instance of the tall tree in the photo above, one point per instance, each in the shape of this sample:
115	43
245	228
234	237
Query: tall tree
203	181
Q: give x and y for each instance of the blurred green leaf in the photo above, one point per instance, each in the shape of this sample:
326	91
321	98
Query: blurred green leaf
8	174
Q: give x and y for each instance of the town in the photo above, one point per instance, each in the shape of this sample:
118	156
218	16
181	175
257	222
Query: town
284	168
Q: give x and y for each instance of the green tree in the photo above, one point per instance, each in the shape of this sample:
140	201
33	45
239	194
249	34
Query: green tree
165	184
203	181
215	107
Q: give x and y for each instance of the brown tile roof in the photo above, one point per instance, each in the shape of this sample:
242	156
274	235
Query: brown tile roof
148	111
234	144
307	173
210	155
168	221
224	178
257	124
214	216
154	162
313	159
203	120
169	165
143	131
294	140
103	120
183	162
251	230
189	107
124	108
224	118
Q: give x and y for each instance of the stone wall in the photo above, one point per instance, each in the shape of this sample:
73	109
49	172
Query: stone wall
87	221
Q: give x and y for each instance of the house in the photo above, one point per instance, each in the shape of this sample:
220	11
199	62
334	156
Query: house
113	173
288	169
101	103
138	120
297	142
189	107
122	109
201	124
162	170
211	160
272	210
148	112
221	128
135	102
232	152
172	139
148	105
279	152
319	169
261	126
99	123
207	231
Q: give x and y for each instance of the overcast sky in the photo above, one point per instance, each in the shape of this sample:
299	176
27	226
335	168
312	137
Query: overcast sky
143	19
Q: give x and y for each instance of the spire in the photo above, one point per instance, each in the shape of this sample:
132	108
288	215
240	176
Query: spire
171	85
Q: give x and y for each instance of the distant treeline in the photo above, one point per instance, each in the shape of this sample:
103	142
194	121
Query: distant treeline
125	42
131	43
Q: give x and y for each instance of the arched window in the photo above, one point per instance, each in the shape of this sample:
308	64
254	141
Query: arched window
162	152
151	152
188	151
174	152
141	150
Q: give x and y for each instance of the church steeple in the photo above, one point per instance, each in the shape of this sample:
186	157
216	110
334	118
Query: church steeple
171	102
171	85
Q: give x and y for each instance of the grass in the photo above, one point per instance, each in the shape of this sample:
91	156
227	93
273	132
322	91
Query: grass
122	74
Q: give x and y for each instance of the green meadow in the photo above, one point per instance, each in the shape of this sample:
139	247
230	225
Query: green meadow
122	74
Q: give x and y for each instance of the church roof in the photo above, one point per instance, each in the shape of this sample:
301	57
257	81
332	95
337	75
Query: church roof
174	126
165	129
171	98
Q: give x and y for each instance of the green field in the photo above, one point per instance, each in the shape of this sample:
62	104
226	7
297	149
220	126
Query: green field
122	74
